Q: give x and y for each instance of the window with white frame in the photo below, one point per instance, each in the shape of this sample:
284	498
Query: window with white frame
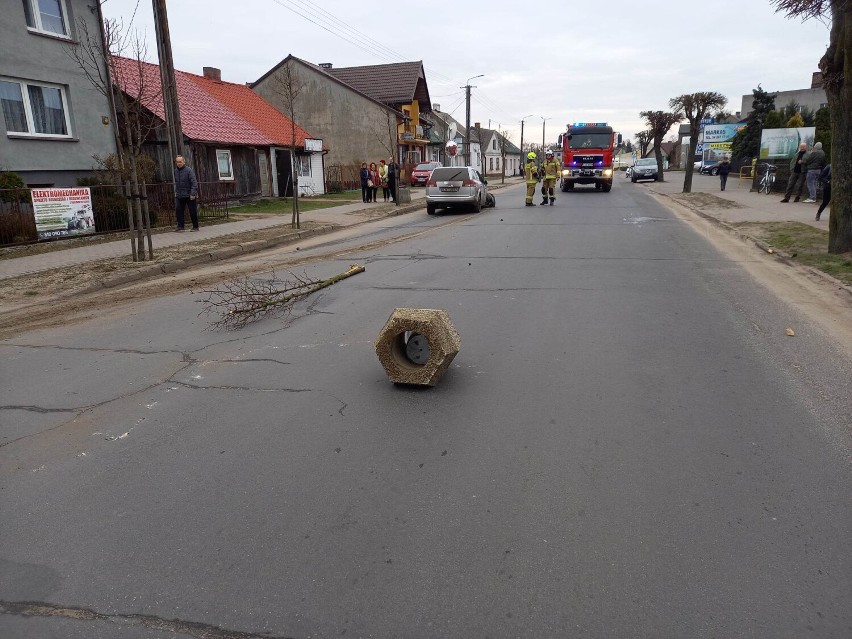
223	164
34	109
493	144
47	16
304	164
490	164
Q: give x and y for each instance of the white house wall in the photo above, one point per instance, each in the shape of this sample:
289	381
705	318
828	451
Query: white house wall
315	184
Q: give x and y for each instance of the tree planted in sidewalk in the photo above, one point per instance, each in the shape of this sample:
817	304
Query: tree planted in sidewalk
836	68
659	123
289	85
695	107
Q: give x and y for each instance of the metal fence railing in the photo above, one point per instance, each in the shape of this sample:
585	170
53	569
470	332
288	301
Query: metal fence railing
109	208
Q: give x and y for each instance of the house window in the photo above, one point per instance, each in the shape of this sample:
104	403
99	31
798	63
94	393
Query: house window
304	163
490	164
47	16
34	109
493	145
223	163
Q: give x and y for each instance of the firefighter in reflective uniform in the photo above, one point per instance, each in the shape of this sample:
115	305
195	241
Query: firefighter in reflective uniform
549	172
531	175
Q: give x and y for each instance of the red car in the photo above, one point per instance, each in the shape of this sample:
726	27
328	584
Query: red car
420	174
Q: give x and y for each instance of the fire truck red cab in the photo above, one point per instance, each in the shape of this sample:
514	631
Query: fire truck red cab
587	155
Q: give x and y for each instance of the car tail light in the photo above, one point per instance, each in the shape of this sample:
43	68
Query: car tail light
468	183
431	183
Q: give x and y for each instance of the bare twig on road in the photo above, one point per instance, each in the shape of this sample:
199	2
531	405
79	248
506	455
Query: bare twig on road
239	302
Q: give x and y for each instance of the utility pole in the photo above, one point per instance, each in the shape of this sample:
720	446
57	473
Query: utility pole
167	78
522	137
466	87
543	120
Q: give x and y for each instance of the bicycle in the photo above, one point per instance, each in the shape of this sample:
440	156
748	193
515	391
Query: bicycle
768	179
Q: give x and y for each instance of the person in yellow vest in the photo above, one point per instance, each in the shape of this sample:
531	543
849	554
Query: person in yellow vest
549	171
531	175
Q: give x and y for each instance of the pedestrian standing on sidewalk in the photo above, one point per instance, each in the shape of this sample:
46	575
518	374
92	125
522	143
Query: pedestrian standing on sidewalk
364	174
373	181
814	163
797	175
383	180
393	177
186	194
825	180
724	169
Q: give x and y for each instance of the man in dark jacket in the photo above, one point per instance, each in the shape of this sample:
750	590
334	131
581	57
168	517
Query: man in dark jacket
797	174
186	193
813	163
724	169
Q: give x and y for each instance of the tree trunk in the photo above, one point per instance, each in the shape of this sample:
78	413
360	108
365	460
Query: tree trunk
836	66
128	192
690	161
658	153
294	179
146	216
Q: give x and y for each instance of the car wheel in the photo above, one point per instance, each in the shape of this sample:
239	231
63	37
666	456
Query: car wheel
431	209
714	171
477	206
633	179
607	188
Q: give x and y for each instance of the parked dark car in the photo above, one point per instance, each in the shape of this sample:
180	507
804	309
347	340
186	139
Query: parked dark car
708	168
644	169
421	172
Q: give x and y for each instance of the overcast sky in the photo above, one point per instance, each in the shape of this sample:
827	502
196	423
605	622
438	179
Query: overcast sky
568	62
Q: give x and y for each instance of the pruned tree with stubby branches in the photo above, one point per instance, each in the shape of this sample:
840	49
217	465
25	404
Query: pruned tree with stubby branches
836	68
695	107
659	123
643	141
289	85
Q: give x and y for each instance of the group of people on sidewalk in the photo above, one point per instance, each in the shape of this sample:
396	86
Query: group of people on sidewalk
809	168
383	176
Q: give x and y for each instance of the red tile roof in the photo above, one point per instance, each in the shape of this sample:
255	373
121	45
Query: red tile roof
210	110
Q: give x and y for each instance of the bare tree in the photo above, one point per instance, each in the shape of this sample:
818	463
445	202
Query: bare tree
388	138
288	85
113	63
643	141
695	107
659	123
835	66
503	142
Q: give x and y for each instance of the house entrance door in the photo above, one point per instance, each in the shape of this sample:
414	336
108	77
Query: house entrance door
285	171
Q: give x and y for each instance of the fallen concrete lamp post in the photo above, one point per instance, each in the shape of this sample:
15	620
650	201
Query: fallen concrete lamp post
417	345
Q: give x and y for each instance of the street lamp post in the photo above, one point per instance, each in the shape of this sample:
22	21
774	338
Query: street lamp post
543	120
522	136
466	87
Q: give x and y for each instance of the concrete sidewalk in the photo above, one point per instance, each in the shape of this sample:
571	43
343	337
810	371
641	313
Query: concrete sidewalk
736	204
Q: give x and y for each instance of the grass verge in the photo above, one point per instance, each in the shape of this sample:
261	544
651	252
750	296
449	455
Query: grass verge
804	244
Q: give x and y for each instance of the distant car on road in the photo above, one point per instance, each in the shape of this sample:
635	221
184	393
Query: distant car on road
709	169
421	172
644	169
457	187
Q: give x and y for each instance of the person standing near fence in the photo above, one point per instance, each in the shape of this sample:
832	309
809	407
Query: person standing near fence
813	163
373	182
365	176
186	194
797	174
724	170
825	180
393	176
383	179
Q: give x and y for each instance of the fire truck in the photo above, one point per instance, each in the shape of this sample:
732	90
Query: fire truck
587	155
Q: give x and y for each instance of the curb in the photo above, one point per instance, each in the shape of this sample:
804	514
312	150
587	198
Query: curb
783	257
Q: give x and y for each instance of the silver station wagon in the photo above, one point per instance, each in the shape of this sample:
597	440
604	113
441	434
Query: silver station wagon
457	187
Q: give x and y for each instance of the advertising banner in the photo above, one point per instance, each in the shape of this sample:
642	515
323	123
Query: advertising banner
718	139
783	143
63	212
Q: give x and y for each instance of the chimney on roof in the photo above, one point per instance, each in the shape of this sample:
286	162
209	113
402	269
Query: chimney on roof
436	107
212	73
816	80
325	65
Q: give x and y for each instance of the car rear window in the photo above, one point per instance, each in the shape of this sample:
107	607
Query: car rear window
449	173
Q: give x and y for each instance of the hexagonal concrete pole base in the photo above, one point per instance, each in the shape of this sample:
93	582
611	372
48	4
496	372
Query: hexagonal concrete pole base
417	345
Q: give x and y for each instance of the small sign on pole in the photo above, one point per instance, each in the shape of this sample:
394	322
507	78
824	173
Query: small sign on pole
312	145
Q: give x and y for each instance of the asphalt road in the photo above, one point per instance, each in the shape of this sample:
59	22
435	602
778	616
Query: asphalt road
627	445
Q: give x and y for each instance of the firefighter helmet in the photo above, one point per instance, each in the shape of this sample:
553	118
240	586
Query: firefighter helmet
549	153
531	155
